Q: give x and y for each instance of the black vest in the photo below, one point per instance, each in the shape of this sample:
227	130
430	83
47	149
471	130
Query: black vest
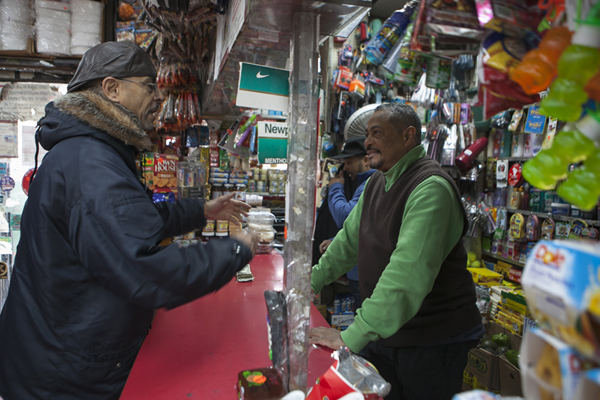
449	309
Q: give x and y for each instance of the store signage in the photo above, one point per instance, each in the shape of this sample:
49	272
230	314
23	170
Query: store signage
272	142
7	183
263	87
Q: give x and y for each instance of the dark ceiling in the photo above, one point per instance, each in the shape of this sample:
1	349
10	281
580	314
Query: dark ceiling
384	8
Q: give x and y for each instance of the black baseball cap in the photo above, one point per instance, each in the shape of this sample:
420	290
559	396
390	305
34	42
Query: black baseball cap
116	59
352	147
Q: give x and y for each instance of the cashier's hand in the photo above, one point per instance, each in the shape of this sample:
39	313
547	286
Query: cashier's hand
328	337
249	239
225	208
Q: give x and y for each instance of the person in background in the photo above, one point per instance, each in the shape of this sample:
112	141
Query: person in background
89	272
418	319
356	166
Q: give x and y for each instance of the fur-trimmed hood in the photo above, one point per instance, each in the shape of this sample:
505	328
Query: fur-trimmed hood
90	110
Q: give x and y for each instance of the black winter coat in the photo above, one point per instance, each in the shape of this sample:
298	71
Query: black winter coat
89	272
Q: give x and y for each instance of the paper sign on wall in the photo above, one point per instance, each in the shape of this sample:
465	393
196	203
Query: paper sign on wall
263	87
272	142
9	146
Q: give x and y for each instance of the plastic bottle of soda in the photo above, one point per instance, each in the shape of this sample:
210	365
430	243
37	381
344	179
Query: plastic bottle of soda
582	187
537	69
570	146
576	66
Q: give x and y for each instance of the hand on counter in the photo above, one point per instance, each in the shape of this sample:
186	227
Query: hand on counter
225	208
249	239
328	337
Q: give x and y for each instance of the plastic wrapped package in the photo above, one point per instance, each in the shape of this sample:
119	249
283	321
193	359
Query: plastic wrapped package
53	27
15	27
349	373
86	25
53	43
261	224
15	10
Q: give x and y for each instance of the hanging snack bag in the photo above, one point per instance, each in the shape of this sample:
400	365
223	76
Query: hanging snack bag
517	225
548	228
532	228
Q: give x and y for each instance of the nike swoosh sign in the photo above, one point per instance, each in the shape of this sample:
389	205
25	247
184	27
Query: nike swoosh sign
260	76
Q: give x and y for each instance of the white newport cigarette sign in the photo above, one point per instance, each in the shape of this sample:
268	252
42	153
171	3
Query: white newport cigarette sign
272	142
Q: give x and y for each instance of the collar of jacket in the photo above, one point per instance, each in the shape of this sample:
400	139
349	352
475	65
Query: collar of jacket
100	113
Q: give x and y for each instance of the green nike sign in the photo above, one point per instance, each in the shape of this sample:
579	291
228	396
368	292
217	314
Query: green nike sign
263	87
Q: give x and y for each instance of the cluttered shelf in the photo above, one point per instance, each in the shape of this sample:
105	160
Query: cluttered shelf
589	222
498	257
514	159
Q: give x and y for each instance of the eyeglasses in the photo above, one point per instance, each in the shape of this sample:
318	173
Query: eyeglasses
152	86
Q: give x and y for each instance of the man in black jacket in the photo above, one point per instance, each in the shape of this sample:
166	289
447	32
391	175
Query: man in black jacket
89	272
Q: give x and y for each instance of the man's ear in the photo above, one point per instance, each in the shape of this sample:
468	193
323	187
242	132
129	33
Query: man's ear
409	136
111	88
365	161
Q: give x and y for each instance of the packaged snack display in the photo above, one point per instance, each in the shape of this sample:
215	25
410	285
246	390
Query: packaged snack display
562	283
571	145
160	171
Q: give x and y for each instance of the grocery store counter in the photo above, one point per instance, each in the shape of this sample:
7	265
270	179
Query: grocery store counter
196	351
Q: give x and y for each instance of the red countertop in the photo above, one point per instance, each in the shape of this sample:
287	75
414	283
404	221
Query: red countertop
196	351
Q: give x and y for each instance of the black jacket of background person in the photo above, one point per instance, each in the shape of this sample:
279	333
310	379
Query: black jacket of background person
89	271
325	226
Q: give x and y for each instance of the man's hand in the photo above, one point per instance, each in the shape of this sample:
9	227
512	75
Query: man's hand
328	337
249	239
323	246
339	178
225	208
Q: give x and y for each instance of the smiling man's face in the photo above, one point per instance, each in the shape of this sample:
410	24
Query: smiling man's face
385	145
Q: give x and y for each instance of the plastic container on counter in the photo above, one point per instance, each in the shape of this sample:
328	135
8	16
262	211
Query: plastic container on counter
261	224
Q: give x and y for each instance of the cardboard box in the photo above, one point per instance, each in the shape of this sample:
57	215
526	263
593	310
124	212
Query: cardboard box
571	366
341	322
483	365
510	378
562	283
589	386
515	340
485	277
160	171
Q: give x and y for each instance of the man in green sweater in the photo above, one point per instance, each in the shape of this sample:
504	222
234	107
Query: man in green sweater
418	319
